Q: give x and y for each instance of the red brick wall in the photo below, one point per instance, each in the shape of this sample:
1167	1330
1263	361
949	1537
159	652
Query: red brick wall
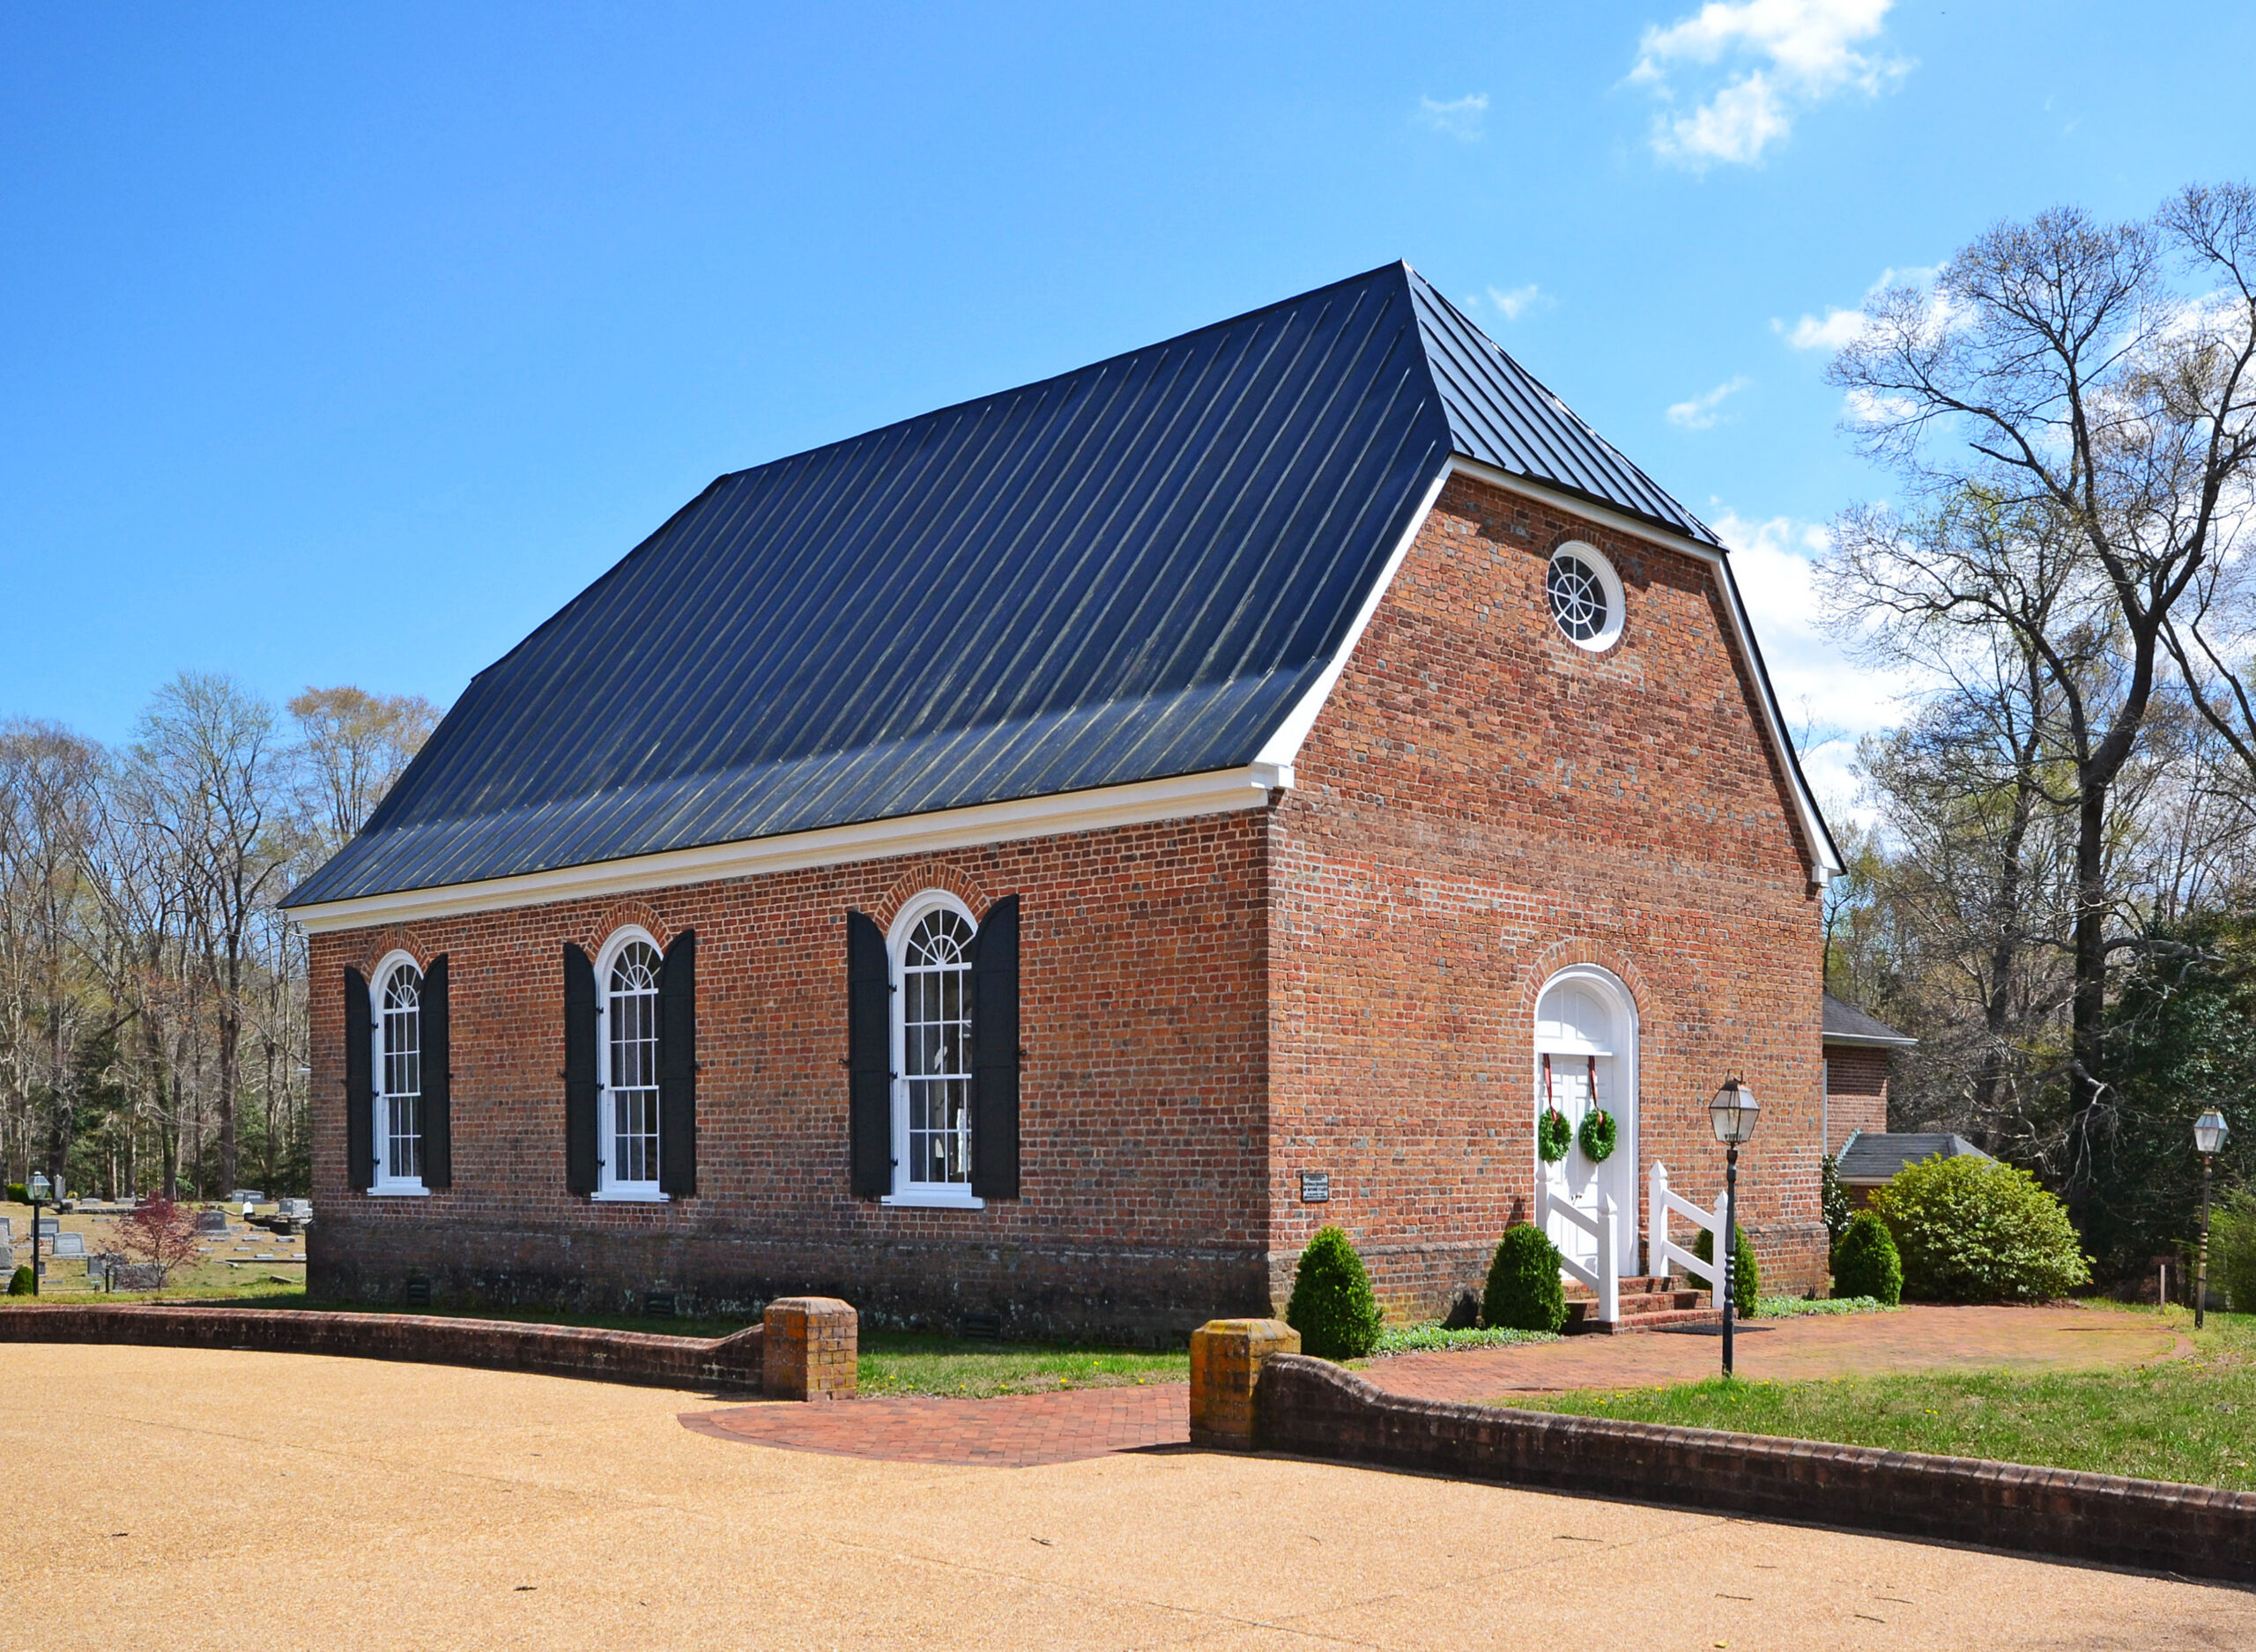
1856	1094
1482	804
1143	1123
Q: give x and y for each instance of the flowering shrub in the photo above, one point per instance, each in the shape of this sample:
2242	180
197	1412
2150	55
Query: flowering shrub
158	1233
1973	1230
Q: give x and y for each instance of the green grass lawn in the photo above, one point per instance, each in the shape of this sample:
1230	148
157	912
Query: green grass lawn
2191	1420
898	1362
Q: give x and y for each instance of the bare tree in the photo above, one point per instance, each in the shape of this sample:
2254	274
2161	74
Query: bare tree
215	773
2060	368
354	744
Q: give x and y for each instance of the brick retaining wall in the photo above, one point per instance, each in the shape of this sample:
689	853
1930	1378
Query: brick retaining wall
606	1356
1313	1408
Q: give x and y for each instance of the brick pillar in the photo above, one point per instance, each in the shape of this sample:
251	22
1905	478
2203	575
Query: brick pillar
1226	1360
809	1344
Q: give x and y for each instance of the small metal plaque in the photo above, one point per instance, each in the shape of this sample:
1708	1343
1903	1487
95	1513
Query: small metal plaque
1316	1187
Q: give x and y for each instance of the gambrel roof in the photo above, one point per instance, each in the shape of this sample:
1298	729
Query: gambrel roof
1143	570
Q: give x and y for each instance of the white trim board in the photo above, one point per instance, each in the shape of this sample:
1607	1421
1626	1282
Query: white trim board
1175	799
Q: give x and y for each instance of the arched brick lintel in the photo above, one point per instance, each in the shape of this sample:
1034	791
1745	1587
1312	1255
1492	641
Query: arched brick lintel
932	874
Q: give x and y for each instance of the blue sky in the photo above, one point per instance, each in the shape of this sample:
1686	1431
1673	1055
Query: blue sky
345	344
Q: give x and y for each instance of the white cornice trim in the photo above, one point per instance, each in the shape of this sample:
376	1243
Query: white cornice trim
1284	746
1175	799
1827	863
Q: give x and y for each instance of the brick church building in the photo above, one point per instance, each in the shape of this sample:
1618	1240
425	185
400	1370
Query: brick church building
1041	860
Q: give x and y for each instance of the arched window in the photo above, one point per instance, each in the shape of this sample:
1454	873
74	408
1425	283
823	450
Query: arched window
1585	597
626	1145
399	1065
932	1040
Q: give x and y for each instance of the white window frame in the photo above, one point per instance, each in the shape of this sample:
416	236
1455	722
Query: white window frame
386	1185
905	1192
609	1189
1609	583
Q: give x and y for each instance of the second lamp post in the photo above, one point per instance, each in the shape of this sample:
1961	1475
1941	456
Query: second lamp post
1733	1113
2208	1136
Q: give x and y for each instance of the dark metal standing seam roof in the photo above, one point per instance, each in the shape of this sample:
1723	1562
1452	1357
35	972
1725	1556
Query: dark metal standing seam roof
1845	1023
1125	573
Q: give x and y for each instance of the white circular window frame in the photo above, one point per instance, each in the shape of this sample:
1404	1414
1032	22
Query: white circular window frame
1608	580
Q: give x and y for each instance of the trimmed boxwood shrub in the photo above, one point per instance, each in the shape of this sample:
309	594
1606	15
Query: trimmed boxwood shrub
1333	1307
1525	1291
1973	1230
20	1283
1865	1262
1746	1272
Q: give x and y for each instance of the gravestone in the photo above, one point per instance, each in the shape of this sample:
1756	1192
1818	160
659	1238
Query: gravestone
246	1195
297	1209
211	1222
7	1231
69	1245
49	1226
137	1276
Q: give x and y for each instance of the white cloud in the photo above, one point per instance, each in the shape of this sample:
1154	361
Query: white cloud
1702	412
1462	118
1819	684
1838	327
1802	52
1512	303
1839	330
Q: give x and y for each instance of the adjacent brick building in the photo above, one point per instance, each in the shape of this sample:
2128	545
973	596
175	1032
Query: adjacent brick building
1860	1050
1036	863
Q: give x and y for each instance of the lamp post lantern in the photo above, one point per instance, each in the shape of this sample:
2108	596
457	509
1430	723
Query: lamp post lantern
38	1191
1733	1113
2209	1132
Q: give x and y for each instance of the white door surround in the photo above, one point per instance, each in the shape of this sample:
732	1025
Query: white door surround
1587	1053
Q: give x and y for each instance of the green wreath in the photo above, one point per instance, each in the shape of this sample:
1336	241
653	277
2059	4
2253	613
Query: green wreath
1552	1135
1596	1135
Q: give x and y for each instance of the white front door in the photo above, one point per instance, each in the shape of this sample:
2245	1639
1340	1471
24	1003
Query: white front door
1585	1035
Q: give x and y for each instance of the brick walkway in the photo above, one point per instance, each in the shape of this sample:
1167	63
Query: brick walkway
1017	1431
1025	1430
1794	1350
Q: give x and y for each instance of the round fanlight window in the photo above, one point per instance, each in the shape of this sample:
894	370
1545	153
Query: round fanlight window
1585	595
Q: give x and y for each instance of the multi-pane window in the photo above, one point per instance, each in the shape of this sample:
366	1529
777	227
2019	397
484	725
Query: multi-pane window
399	1104
936	1050
631	1042
1577	598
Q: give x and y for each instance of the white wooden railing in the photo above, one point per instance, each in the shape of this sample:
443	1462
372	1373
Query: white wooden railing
1664	1255
1606	1277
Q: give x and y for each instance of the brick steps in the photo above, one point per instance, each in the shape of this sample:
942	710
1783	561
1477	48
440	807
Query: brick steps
1648	1303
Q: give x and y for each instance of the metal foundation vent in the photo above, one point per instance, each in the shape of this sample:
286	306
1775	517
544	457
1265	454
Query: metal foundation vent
659	1305
418	1292
980	1327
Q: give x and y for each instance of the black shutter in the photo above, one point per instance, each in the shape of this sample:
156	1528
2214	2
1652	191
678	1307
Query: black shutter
438	1080
995	1053
360	1084
579	1070
869	1057
678	1066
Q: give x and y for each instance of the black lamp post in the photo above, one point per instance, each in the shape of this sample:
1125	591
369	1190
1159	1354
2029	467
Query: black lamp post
1733	1113
2208	1135
37	1192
